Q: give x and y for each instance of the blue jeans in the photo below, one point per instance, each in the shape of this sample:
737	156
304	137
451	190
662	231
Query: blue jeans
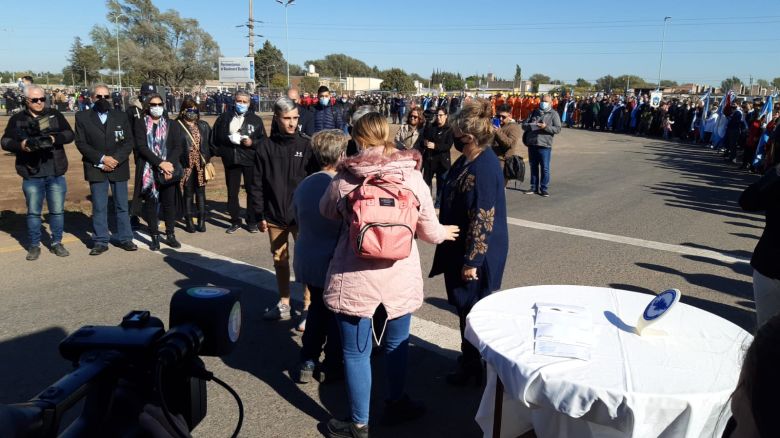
357	342
53	188
99	192
539	157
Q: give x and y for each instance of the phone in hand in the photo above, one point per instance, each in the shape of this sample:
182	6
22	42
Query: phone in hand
496	122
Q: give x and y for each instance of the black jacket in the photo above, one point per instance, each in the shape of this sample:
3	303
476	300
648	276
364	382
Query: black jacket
206	148
443	140
94	140
282	162
305	122
28	163
236	154
764	195
174	143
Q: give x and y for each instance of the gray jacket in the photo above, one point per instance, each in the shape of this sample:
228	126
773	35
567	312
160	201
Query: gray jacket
542	137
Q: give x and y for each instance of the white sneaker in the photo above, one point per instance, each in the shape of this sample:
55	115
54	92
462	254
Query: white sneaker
279	312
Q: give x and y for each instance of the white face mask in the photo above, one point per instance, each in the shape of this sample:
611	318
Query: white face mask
156	111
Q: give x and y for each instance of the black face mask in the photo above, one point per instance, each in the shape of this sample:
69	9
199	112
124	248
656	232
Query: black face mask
102	106
459	143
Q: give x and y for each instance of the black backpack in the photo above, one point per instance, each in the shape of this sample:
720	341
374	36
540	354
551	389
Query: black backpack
514	168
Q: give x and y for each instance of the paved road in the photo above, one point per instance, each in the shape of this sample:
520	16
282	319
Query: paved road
625	212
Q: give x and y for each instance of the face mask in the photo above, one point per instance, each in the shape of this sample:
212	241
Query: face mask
544	106
241	108
459	143
324	101
343	100
156	111
102	106
191	116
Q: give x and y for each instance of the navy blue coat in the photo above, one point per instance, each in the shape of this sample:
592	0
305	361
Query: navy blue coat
473	199
325	117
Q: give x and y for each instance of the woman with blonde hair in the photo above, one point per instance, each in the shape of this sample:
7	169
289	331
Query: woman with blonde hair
473	199
357	286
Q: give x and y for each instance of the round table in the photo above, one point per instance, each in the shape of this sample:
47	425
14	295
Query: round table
674	381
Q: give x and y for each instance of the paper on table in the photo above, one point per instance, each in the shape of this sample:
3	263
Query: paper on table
563	331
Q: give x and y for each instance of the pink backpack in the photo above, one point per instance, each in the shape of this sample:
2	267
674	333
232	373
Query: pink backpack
383	219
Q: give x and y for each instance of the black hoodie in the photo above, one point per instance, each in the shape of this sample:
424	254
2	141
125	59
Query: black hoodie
281	163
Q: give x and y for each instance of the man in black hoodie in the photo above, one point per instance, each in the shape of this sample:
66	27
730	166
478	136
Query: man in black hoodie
281	163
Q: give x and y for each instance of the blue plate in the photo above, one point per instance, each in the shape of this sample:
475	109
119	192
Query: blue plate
661	304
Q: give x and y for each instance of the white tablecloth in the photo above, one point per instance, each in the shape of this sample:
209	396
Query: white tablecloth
675	384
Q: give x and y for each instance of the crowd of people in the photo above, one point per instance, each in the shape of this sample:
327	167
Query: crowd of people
354	200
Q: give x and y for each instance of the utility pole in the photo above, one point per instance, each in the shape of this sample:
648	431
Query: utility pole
118	59
286	4
661	61
251	26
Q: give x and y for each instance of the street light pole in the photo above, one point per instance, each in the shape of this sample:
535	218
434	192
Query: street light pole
661	60
287	3
118	59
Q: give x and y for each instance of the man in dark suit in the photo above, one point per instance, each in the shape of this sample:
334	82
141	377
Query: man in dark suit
104	138
236	135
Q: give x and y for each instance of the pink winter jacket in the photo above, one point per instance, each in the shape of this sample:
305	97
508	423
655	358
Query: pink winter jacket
356	286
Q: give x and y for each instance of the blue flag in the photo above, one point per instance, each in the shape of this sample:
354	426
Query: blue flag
767	111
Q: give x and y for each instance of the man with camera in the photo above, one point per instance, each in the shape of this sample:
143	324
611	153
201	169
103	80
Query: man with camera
37	136
104	138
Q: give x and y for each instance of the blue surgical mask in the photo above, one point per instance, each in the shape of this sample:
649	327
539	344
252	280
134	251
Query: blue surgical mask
324	101
544	106
241	108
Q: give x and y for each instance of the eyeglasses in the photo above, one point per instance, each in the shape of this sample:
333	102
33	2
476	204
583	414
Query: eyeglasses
155	104
192	110
37	99
102	96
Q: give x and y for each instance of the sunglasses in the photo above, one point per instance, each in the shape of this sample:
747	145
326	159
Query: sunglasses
414	117
155	104
37	99
102	96
192	110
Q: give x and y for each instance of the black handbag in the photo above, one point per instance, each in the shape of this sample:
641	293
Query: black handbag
514	168
178	174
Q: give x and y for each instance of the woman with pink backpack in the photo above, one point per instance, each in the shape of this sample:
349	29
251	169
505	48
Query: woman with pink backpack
383	202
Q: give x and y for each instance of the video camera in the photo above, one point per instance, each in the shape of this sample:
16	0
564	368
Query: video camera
38	135
120	369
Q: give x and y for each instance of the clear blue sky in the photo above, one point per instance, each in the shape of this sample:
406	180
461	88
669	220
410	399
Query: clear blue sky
565	39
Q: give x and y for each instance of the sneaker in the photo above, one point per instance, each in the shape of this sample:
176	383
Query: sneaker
544	194
253	229
233	228
346	429
529	191
59	250
278	312
402	410
301	327
33	253
306	371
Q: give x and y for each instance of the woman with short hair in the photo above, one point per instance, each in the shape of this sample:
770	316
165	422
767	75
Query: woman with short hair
473	199
157	171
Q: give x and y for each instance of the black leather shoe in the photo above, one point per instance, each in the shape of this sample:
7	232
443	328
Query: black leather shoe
170	240
154	245
33	253
128	245
464	372
233	228
59	250
201	223
346	429
98	249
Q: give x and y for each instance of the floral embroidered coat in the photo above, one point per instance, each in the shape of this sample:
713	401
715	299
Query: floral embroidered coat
473	199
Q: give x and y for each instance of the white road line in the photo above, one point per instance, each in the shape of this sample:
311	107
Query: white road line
429	335
679	249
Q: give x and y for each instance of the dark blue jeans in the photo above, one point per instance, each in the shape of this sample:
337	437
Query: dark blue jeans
357	341
53	189
99	193
539	158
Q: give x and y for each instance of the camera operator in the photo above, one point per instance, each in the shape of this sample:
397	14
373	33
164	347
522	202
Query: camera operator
37	136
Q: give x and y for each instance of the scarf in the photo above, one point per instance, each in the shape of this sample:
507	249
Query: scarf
156	142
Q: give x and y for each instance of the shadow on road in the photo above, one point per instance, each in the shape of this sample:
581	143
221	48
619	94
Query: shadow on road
15	224
30	363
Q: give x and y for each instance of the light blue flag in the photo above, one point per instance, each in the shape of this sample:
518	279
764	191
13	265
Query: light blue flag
705	113
767	111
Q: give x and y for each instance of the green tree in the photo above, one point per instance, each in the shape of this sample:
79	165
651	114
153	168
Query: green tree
763	83
339	64
269	61
163	47
669	83
776	83
582	83
518	73
536	79
606	83
396	79
279	80
309	84
83	58
730	83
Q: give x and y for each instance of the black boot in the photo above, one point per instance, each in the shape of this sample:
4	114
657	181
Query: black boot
171	241
464	372
155	243
189	226
201	222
